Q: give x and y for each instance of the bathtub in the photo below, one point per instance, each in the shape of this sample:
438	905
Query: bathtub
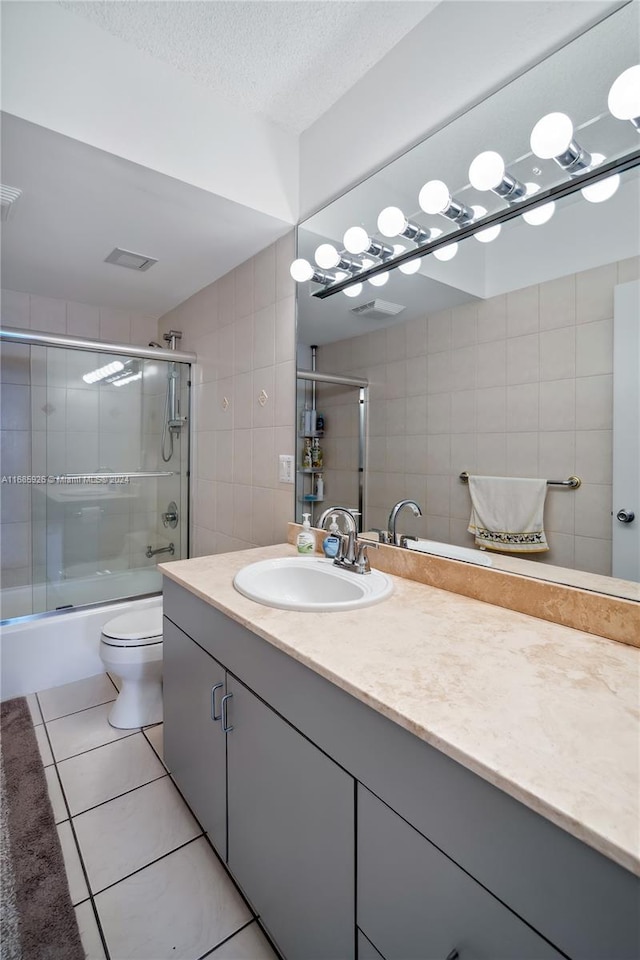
59	647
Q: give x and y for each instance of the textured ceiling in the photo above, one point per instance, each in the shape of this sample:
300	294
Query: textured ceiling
287	61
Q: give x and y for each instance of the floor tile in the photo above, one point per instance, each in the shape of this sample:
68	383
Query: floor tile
115	680
77	883
179	907
89	933
55	795
249	944
71	697
155	736
82	731
108	771
129	832
43	745
34	709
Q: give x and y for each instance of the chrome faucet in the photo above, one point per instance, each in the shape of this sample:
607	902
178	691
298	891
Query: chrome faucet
352	554
344	512
393	537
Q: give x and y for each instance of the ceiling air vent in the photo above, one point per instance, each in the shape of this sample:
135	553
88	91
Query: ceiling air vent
8	196
125	258
377	309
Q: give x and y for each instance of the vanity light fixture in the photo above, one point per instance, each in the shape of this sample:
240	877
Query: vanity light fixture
488	172
446	253
327	257
301	271
129	379
552	138
603	189
393	223
539	215
624	96
435	198
357	240
491	233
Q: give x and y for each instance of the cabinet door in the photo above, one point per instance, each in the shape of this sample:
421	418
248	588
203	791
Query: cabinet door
194	744
291	832
416	904
366	950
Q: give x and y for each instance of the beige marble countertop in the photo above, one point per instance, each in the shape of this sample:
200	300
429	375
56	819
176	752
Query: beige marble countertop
548	714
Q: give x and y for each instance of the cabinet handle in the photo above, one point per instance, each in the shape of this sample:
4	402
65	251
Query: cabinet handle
453	955
225	727
216	686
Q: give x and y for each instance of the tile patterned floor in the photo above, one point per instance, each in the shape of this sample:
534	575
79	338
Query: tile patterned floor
145	882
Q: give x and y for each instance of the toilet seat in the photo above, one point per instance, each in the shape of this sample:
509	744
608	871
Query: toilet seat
140	629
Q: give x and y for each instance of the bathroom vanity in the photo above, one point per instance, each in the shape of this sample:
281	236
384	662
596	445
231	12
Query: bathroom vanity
429	777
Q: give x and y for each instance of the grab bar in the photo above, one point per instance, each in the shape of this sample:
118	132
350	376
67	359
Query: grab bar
153	553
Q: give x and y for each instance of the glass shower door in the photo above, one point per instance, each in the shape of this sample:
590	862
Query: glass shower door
112	504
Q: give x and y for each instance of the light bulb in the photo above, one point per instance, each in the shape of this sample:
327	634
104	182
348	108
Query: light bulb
478	211
391	221
532	188
398	249
301	270
353	291
356	240
411	266
379	280
624	95
327	256
551	136
601	191
487	171
434	197
485	236
367	262
539	215
446	253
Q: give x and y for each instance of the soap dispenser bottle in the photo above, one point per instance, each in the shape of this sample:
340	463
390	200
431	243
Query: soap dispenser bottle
331	543
306	540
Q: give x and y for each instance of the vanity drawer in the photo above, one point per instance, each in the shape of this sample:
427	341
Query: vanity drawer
417	904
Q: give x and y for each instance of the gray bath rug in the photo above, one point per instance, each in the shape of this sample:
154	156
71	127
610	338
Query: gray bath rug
38	920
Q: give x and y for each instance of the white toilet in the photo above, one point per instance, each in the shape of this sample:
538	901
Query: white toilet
131	648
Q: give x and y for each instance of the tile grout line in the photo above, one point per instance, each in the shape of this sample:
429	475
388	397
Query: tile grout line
73	713
91	749
226	939
77	845
110	886
102	803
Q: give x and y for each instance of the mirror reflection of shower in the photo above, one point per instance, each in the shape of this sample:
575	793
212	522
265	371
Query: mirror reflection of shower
173	422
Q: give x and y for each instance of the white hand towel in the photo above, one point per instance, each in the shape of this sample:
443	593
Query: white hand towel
507	514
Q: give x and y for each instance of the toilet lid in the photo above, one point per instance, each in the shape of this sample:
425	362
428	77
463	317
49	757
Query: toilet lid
134	629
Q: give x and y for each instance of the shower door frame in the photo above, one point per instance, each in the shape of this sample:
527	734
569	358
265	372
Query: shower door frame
40	338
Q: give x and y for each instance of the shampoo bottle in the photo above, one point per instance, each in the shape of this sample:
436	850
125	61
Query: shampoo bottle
306	541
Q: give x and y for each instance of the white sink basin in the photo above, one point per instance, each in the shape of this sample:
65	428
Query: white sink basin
310	584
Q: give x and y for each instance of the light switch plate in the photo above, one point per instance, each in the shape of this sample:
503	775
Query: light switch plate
285	474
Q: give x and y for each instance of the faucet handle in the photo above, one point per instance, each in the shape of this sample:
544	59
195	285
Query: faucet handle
404	539
362	559
383	535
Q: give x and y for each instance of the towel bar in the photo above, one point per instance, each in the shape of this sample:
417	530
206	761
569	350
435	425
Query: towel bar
574	482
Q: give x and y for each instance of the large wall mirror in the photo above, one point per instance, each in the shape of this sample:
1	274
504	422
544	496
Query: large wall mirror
509	357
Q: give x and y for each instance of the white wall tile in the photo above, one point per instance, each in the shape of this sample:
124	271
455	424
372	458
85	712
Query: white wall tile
628	270
144	329
522	454
264	277
463	368
557	454
15	309
15	407
464	447
16	452
439	413
396	379
416	375
263	398
226	347
396	342
558	303
264	337
285	329
285	254
416	414
263	465
244	299
594	455
492	319
558	353
463	411
83	320
594	293
415	454
491	454
416	337
491	364
14	363
439	331
594	348
523	359
594	403
262	511
16	545
115	325
523	402
523	312
593	555
593	511
224	456
47	314
491	409
464	324
242	511
227	299
557	405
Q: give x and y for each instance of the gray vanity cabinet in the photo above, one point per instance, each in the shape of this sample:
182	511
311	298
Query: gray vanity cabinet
291	831
415	903
194	744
